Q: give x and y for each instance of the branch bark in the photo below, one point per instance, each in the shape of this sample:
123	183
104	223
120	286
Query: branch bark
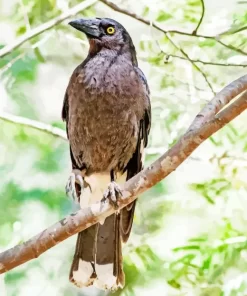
219	101
46	26
147	178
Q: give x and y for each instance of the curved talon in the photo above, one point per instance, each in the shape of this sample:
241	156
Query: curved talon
74	178
113	193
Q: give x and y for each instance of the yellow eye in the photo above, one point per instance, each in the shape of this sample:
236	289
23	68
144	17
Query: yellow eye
110	30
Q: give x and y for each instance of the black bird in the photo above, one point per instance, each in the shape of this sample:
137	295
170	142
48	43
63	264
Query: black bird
107	113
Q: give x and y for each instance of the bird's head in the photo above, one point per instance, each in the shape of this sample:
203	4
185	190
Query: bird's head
105	33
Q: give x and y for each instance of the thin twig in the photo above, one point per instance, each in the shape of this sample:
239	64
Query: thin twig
210	63
194	64
46	128
201	18
46	26
206	62
233	31
21	55
231	47
141	182
147	22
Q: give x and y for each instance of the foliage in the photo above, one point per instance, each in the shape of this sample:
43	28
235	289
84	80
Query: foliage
189	236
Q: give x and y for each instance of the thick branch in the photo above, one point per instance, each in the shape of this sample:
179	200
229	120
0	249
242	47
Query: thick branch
147	178
46	26
219	101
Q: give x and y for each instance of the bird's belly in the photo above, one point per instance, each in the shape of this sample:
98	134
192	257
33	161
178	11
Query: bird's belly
104	139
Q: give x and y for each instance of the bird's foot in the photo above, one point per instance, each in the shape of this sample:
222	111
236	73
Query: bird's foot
75	180
113	193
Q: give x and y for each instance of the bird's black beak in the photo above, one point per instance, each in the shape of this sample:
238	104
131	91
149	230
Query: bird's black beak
88	26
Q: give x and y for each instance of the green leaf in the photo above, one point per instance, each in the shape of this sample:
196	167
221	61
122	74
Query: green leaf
163	16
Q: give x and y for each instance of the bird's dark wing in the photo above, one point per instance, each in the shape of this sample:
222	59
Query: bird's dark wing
65	109
135	164
65	112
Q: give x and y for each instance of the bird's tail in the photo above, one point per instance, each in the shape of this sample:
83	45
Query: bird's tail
98	256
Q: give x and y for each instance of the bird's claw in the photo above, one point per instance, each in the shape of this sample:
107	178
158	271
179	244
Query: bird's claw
74	178
113	193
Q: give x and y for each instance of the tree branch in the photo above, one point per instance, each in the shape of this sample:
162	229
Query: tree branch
147	178
233	30
219	101
22	55
46	26
193	64
201	18
231	47
47	128
205	62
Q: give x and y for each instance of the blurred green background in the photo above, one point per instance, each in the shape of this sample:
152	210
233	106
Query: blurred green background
190	234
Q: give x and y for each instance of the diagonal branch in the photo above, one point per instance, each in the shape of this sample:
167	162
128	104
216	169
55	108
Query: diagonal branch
23	54
147	178
46	26
219	101
233	30
231	47
201	18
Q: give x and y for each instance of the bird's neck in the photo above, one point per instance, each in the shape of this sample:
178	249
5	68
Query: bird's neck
107	65
97	51
106	59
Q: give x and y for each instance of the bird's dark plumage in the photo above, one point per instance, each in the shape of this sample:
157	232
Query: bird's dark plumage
108	116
